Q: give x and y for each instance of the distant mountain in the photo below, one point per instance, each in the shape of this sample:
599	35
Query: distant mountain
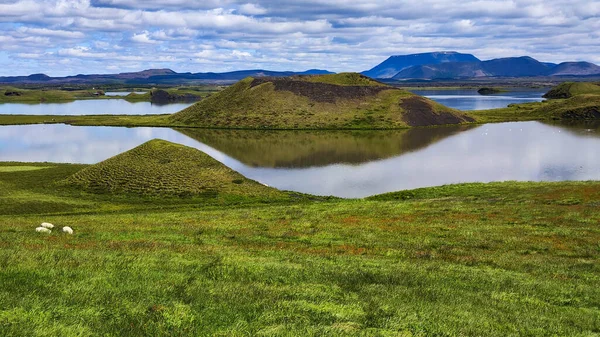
394	64
155	76
524	66
515	67
443	70
575	69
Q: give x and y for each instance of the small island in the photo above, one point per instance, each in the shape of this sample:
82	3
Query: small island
490	91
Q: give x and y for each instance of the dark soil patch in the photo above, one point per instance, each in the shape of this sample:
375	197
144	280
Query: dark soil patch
163	97
419	112
321	92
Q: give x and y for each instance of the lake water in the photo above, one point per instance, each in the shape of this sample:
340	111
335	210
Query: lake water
343	163
91	107
122	93
458	99
469	99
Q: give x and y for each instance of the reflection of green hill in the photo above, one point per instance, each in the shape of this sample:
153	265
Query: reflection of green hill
317	148
588	128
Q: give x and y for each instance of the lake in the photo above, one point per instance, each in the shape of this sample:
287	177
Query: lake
458	99
91	107
469	99
343	163
123	93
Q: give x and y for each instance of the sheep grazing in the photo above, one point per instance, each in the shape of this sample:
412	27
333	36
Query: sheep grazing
67	230
43	230
47	225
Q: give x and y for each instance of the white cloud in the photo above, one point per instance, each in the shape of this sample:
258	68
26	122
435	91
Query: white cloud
142	38
222	35
252	9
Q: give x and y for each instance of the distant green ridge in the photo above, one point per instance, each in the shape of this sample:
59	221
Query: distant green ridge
570	89
337	101
159	167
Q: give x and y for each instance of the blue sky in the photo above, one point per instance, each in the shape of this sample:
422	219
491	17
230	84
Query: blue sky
67	37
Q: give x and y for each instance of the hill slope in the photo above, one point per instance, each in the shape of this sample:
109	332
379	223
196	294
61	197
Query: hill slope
340	101
570	89
397	63
161	168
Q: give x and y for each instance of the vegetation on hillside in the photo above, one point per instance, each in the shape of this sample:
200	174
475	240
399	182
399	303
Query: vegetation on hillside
570	89
57	94
19	95
315	102
345	79
163	168
429	262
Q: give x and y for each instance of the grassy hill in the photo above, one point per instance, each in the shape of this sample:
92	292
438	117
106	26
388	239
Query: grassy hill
337	101
163	168
570	89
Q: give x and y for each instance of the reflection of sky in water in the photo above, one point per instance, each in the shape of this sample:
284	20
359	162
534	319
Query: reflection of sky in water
493	152
122	93
91	107
471	100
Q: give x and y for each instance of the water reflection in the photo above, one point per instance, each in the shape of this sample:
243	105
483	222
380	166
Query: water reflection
344	164
298	149
91	107
469	99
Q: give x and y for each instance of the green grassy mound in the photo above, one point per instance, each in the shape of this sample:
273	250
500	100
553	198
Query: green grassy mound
570	89
163	168
580	107
340	101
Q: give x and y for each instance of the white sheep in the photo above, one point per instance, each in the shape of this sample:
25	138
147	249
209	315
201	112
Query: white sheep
47	225
43	230
67	230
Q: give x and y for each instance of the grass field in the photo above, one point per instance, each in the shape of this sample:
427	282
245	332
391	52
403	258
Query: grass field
10	94
501	259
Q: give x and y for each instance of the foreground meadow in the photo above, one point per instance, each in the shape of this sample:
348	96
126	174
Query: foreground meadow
501	259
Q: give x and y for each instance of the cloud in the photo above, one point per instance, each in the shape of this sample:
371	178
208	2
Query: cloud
223	35
252	9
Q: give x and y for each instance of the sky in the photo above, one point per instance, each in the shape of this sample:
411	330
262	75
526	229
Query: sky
68	37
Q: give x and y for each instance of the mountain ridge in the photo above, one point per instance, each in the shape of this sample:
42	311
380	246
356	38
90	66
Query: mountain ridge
154	76
396	63
509	67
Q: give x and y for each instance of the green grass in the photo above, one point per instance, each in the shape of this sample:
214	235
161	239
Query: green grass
571	89
502	259
580	107
89	120
344	79
162	168
263	107
45	95
19	168
41	95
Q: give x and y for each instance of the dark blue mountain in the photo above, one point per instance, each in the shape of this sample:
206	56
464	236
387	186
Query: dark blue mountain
575	69
524	66
156	76
395	64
